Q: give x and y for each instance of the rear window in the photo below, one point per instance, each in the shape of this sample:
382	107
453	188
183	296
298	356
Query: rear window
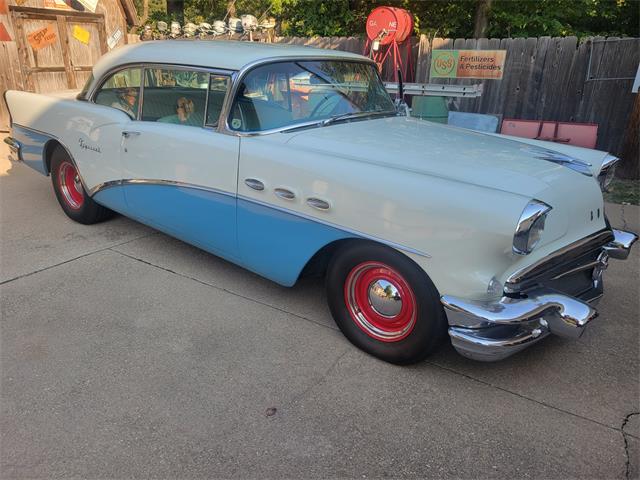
175	96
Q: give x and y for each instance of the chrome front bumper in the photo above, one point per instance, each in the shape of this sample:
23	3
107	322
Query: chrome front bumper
493	330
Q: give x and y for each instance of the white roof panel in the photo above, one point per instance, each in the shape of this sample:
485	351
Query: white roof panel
230	55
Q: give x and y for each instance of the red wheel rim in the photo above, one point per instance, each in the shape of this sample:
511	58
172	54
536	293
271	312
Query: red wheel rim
380	301
70	185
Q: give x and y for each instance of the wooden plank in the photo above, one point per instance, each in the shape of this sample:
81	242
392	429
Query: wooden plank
21	41
66	57
102	37
32	70
558	78
527	89
422	67
50	14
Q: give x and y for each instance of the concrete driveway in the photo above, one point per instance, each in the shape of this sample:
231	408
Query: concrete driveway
126	353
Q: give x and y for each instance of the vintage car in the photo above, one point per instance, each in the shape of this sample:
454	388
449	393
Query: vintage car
292	161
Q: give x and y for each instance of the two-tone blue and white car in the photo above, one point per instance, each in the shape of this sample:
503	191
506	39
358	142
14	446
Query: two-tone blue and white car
292	161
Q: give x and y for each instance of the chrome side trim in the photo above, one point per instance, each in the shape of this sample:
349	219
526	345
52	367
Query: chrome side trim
144	181
137	181
53	137
338	227
591	242
621	244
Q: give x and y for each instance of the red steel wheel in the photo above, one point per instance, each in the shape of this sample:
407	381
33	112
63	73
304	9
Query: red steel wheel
384	302
70	192
380	301
70	185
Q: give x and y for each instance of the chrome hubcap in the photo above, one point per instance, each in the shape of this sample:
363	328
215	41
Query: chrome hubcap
380	301
385	298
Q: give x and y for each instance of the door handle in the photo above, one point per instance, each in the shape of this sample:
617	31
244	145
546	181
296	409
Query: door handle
284	193
129	133
254	183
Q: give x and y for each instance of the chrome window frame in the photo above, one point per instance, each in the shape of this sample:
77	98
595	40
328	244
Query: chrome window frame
239	76
165	66
93	92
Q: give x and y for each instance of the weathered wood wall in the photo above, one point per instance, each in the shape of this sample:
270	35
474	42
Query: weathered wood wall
13	77
545	78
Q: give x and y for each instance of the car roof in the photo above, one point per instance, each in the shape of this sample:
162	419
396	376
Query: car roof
229	55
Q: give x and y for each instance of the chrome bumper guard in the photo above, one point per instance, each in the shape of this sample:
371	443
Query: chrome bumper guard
493	330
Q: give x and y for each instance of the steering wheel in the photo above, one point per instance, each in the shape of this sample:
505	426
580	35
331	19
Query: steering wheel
322	102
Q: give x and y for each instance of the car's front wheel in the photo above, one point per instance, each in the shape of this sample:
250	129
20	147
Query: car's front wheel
71	195
384	303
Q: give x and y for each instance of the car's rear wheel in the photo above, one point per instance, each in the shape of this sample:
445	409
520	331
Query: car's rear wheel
71	195
384	303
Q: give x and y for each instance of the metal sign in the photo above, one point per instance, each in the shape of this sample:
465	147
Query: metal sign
485	64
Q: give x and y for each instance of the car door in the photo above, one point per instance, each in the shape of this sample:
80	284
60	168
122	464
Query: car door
179	173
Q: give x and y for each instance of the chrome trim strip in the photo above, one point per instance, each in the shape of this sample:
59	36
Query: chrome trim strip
144	181
100	81
139	181
238	76
53	137
580	268
337	227
598	239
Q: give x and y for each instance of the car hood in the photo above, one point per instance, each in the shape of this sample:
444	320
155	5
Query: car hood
440	150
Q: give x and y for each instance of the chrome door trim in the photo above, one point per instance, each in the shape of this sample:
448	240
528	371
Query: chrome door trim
146	181
337	227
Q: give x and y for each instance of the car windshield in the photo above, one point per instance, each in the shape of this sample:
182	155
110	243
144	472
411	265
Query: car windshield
289	94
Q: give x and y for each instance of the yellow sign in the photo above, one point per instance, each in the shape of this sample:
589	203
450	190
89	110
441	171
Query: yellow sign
43	37
81	34
468	63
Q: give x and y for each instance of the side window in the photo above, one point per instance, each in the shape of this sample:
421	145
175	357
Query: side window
174	96
217	91
121	91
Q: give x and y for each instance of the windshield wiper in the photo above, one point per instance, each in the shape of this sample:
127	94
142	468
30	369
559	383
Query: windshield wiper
344	116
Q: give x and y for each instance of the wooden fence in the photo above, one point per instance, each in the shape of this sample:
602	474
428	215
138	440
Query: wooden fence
545	78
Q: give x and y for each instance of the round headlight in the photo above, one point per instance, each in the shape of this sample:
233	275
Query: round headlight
530	227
